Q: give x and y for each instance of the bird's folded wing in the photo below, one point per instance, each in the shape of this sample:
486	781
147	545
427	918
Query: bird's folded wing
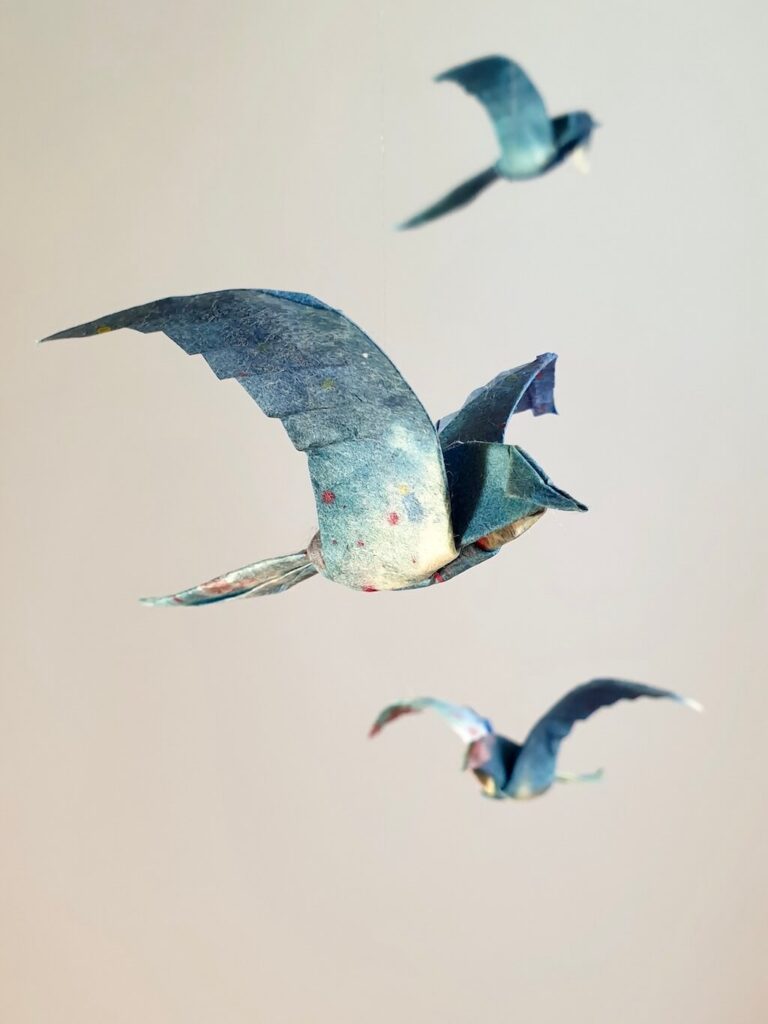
465	722
515	107
543	741
485	414
374	459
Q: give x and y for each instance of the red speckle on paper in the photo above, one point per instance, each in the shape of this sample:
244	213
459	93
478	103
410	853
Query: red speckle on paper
328	497
438	578
393	518
368	590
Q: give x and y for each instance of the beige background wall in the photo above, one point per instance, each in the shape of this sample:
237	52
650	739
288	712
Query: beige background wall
194	827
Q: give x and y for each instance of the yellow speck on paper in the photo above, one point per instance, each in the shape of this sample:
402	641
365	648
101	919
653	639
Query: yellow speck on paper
328	384
404	488
103	329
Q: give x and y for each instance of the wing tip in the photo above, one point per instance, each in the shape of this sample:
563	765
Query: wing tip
54	337
408	225
160	602
454	73
694	705
390	714
81	331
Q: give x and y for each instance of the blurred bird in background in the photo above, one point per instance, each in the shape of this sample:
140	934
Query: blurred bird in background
400	503
531	142
520	771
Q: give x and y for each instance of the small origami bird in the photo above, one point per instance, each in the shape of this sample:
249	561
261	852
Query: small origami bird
531	142
520	771
400	504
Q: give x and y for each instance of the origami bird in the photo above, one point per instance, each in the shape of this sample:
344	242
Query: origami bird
400	504
520	771
531	142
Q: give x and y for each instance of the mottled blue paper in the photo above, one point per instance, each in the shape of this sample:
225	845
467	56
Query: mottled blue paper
399	504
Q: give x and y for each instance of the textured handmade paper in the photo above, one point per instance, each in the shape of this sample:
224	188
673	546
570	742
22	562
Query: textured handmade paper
400	504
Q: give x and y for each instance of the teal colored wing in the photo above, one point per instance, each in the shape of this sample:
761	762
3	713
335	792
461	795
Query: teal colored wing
535	767
516	109
374	458
485	414
465	722
455	199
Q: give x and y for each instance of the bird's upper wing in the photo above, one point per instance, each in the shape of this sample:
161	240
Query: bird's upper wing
465	722
539	753
374	458
515	107
484	415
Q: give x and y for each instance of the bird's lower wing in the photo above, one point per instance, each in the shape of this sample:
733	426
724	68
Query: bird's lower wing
374	459
459	197
465	722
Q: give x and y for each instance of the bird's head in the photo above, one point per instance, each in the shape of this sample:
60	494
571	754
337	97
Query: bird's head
491	759
572	135
498	492
479	759
582	125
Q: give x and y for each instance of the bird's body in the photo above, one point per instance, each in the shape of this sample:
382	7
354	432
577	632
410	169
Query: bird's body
509	770
531	142
401	503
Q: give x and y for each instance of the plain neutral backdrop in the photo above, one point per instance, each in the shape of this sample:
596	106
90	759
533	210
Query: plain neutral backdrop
193	825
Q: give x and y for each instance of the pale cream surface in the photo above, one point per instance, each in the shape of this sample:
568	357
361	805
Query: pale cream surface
193	825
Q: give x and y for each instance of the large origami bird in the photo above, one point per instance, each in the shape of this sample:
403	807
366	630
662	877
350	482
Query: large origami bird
520	771
400	504
531	142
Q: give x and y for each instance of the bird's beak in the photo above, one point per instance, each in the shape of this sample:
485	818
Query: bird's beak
581	158
487	784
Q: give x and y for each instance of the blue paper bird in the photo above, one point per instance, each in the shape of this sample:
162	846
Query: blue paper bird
520	771
400	504
531	142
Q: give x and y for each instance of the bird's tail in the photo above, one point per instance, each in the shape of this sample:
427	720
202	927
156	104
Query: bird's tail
459	197
271	576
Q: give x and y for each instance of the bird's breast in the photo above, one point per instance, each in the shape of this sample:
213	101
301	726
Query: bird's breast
383	513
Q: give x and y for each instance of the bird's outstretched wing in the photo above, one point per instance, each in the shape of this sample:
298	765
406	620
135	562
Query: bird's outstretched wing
465	722
374	458
485	414
536	763
515	107
455	199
